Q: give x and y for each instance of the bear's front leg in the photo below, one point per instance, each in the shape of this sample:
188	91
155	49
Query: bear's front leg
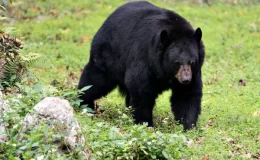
142	108
141	91
186	102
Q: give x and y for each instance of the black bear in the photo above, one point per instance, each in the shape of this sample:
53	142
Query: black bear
144	50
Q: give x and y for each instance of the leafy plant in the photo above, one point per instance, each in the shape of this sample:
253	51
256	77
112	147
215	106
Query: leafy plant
13	61
136	142
5	2
72	95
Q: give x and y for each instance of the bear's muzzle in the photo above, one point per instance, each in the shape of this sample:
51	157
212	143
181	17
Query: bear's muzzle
184	74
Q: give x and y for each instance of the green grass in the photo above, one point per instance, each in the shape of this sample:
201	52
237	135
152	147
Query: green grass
228	127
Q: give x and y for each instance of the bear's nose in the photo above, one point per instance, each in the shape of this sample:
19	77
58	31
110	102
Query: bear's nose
186	81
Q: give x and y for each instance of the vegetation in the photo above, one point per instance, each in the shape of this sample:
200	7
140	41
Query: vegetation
62	30
14	62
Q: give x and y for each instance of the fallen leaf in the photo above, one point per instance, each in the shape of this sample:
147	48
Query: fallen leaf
83	11
254	26
232	153
97	109
229	140
256	114
34	9
189	143
210	123
238	146
205	158
85	39
242	82
199	140
246	155
64	31
256	156
53	12
73	76
122	131
87	153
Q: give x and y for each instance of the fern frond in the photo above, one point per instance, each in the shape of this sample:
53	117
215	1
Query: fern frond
28	59
14	62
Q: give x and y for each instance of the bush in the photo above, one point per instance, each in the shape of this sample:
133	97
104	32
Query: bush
136	142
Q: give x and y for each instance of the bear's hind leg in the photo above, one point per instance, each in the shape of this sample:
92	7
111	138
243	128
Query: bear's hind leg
100	82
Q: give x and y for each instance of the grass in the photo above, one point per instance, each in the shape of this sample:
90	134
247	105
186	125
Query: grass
228	127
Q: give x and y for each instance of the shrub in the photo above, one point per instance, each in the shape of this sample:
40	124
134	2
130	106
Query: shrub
136	142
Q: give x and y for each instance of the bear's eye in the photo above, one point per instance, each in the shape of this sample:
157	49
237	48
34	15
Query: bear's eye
192	62
177	62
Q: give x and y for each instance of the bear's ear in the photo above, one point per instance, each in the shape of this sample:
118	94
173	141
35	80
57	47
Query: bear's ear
164	38
198	34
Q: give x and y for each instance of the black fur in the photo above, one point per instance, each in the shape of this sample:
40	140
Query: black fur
140	48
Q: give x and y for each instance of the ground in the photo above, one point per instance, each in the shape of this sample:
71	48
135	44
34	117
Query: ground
229	124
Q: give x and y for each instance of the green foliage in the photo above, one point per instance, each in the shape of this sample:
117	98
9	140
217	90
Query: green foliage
119	138
134	143
36	143
72	95
2	8
5	2
14	62
16	67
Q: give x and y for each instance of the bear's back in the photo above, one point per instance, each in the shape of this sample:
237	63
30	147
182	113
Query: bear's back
140	22
126	35
128	19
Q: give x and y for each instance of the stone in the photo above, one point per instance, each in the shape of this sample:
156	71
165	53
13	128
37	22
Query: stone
61	114
3	109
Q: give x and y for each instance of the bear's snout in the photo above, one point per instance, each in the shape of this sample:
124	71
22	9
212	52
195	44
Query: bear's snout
184	74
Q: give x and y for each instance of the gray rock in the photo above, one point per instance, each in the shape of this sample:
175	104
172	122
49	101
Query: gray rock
3	109
2	64
60	113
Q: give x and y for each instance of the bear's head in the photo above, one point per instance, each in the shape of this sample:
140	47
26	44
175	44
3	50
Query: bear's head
181	55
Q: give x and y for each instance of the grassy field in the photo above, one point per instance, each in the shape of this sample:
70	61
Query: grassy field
229	126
